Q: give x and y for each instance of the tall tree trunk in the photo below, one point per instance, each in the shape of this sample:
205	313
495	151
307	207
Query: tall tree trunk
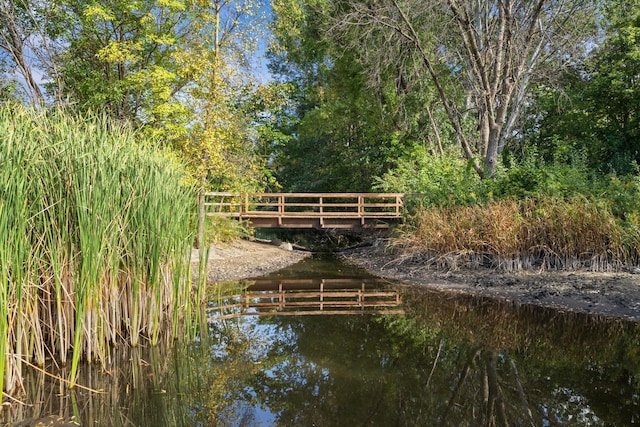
12	41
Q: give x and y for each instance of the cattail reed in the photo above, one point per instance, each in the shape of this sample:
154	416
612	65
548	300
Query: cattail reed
95	235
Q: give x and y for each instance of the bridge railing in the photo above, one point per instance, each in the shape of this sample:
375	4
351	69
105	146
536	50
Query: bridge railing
302	297
347	205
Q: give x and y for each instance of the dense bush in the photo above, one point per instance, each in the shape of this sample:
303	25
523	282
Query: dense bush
533	213
434	180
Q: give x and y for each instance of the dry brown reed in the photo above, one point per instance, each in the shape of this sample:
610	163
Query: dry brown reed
512	235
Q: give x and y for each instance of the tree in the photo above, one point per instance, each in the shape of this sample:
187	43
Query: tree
340	141
18	27
614	86
341	132
179	69
481	57
593	114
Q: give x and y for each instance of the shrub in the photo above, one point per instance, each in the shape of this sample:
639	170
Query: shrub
434	180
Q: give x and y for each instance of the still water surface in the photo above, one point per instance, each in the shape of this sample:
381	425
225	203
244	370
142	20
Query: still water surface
450	360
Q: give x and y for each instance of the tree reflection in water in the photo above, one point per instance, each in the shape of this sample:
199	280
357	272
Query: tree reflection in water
456	360
451	360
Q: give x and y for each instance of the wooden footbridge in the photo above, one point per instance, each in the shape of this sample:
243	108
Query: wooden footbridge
306	210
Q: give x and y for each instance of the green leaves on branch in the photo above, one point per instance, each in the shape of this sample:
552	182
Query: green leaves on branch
180	70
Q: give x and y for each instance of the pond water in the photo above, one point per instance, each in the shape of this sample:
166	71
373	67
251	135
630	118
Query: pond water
449	360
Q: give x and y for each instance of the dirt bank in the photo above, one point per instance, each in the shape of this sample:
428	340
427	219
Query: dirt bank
243	259
611	294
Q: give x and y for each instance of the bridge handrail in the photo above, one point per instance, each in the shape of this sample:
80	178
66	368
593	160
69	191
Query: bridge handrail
383	205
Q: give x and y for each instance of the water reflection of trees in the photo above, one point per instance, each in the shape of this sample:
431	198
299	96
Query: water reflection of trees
525	365
504	324
338	368
457	361
454	360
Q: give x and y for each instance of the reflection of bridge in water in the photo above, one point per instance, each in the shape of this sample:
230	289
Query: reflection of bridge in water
304	297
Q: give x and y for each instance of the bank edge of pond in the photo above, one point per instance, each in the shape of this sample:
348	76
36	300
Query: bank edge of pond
608	294
242	259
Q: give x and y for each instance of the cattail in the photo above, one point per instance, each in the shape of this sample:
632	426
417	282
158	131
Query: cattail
95	235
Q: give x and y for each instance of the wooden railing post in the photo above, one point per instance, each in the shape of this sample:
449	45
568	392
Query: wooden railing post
201	216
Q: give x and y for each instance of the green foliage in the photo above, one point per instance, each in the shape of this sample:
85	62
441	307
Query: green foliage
221	229
337	141
344	127
434	180
537	179
596	108
534	177
96	228
177	69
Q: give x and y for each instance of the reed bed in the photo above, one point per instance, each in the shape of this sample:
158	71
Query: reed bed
510	235
95	235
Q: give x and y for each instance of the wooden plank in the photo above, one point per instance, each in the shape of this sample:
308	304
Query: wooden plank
344	215
302	295
323	296
307	195
313	284
325	304
307	313
322	312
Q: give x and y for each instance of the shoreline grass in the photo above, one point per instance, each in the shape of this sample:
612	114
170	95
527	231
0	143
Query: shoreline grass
96	228
545	233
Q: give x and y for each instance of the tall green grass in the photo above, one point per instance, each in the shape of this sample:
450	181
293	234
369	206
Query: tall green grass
96	228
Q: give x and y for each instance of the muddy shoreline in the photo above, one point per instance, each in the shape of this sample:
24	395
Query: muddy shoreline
243	259
608	294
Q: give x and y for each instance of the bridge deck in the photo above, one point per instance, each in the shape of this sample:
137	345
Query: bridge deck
306	210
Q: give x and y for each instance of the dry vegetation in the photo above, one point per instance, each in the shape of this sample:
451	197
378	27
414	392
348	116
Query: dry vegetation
513	235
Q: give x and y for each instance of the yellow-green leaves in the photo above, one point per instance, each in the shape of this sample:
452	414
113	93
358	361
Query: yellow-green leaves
95	12
175	5
178	69
118	51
